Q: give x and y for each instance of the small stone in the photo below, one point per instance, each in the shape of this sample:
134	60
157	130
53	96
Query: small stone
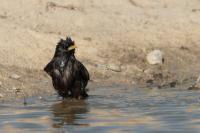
173	84
133	82
16	89
196	85
150	81
198	80
193	88
155	57
101	66
114	68
15	76
87	39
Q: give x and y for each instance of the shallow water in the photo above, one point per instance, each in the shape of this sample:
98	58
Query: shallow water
110	109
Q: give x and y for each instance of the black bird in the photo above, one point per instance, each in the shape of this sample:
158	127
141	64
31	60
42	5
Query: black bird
69	76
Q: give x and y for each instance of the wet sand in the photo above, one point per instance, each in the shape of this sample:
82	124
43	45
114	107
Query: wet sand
109	34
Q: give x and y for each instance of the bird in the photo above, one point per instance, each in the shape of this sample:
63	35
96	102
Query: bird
69	76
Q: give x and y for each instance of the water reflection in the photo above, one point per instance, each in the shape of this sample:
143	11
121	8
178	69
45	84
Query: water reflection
117	110
68	113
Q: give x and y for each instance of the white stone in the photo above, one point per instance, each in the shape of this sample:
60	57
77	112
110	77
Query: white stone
197	83
14	88
114	67
15	76
155	57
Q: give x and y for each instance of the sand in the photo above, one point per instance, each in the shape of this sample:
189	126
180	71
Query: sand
116	33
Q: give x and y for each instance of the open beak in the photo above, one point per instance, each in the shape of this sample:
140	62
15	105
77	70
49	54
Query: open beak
72	47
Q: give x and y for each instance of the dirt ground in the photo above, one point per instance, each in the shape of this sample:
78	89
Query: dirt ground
113	39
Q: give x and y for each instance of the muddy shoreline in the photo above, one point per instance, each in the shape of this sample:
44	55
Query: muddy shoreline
113	40
37	83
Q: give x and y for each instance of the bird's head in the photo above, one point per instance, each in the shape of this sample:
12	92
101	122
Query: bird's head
65	47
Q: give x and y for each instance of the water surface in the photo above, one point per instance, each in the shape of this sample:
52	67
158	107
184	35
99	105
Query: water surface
113	109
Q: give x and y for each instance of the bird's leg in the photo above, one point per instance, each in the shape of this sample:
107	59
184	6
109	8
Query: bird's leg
70	93
82	88
83	91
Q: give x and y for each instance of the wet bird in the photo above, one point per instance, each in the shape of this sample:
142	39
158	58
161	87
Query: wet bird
69	76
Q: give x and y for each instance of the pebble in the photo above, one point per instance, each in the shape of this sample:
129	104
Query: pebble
173	84
40	98
155	57
196	85
193	88
15	76
113	67
101	66
16	89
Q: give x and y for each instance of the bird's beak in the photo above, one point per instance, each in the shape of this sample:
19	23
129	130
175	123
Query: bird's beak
72	47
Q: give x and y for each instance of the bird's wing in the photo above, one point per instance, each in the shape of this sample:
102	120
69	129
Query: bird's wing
84	72
55	63
49	67
61	73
